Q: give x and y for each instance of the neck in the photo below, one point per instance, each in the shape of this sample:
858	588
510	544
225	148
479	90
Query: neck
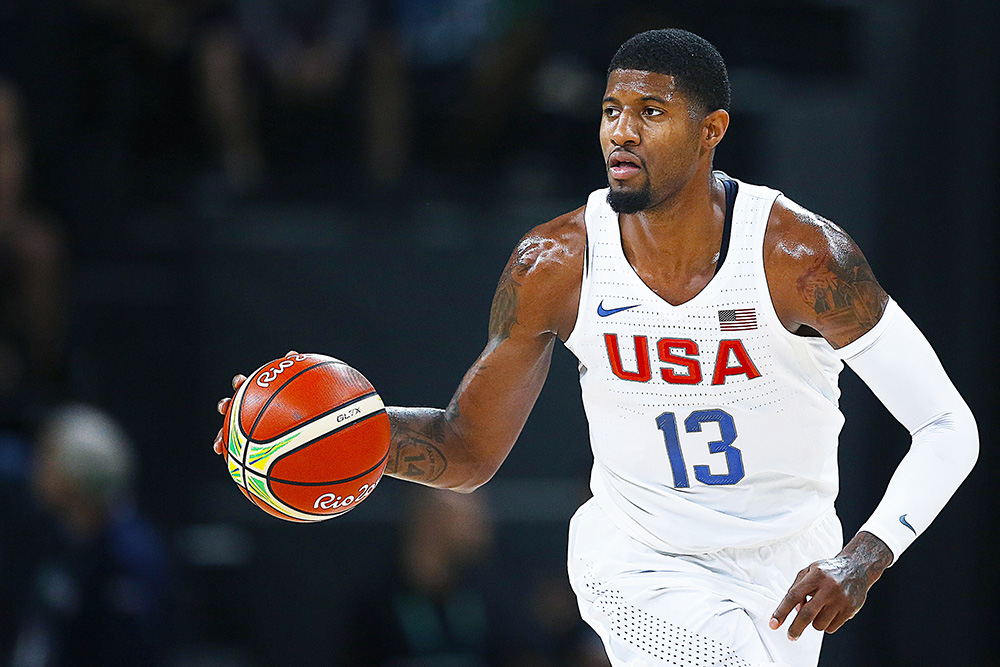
684	225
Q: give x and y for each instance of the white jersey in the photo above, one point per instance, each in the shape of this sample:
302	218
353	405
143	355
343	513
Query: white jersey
712	426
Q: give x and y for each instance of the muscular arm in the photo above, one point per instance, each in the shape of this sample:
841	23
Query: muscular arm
821	284
463	445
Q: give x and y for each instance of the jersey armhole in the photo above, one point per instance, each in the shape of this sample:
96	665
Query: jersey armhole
767	303
584	282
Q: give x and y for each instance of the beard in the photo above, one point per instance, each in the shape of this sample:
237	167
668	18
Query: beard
630	201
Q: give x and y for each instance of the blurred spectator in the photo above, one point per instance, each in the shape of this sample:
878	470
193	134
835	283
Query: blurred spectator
429	614
103	594
31	274
446	78
298	51
559	638
141	61
453	602
21	529
379	86
164	26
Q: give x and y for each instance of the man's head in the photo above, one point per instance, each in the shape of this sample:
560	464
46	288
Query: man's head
84	465
697	68
665	110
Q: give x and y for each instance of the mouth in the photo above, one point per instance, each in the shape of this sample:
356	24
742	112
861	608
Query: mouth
623	164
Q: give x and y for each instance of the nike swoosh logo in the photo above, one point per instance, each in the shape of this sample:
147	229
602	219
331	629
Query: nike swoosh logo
603	312
902	520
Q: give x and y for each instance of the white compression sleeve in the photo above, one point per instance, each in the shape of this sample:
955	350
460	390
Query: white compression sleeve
899	365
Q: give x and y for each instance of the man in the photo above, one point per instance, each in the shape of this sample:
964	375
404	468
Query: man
102	594
711	319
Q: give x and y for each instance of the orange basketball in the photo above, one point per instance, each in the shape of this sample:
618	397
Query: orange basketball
306	437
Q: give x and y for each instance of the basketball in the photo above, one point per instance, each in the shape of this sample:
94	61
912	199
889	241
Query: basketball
306	438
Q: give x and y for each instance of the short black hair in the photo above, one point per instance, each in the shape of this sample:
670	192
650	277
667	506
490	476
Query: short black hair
697	67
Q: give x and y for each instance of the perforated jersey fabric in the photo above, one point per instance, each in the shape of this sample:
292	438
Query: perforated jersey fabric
708	610
664	642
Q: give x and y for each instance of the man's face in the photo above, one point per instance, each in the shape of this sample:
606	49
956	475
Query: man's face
650	139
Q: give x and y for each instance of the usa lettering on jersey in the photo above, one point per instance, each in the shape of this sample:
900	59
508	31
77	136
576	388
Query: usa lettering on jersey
683	368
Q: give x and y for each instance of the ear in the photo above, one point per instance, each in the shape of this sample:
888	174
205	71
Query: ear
713	128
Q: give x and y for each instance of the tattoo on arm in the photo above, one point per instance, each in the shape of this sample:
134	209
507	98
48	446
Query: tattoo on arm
871	549
452	413
416	455
869	555
843	293
503	312
419	435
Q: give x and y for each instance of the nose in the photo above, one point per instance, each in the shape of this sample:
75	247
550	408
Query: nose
625	130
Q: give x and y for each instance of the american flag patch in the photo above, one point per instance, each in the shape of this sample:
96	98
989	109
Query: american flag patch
741	319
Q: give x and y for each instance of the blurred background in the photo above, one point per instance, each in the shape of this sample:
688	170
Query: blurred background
189	188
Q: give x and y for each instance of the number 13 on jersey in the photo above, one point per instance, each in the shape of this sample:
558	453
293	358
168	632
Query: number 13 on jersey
667	422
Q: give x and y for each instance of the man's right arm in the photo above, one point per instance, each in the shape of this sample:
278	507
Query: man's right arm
463	445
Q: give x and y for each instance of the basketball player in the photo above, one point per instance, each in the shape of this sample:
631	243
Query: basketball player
711	319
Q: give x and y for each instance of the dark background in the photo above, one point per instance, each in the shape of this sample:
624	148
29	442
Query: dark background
880	116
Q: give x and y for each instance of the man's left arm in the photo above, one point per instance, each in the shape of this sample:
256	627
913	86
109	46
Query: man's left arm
822	282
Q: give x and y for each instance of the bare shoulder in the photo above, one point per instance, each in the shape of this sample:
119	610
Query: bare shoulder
818	277
796	235
555	246
540	287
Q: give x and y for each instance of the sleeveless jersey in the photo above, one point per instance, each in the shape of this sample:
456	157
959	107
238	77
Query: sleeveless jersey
712	426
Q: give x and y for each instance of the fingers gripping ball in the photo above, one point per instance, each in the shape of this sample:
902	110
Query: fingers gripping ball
306	437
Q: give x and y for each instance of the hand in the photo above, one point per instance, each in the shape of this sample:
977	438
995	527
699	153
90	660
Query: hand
830	592
223	405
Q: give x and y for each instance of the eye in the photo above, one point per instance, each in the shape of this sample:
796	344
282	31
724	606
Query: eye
611	112
652	111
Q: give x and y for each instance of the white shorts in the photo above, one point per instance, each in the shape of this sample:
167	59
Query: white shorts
652	608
